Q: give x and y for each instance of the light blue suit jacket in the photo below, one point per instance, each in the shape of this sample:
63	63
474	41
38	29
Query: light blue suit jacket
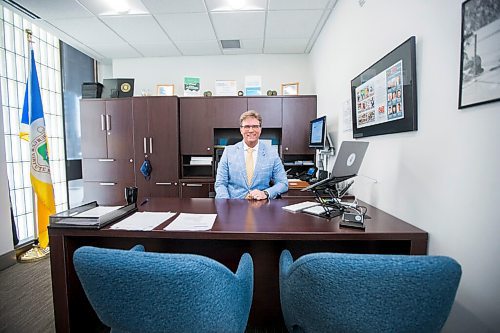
231	180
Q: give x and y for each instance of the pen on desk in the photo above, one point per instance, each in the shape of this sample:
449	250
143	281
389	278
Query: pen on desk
144	202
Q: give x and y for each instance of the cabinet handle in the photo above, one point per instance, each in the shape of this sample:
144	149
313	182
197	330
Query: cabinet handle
107	184
194	185
145	145
208	148
163	183
150	145
102	123
131	160
175	184
108	122
286	148
106	160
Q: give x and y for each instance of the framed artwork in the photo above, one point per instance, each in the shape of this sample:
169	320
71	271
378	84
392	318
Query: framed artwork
165	90
290	88
480	55
384	96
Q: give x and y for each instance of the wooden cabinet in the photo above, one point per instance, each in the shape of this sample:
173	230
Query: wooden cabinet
156	137
107	149
197	188
197	126
228	110
297	113
270	108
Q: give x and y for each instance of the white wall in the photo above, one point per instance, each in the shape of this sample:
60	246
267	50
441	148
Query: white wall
274	70
442	178
6	244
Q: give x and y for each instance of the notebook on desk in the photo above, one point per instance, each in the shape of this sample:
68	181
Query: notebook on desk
347	164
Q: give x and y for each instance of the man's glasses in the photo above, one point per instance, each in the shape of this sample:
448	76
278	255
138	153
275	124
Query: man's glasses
247	127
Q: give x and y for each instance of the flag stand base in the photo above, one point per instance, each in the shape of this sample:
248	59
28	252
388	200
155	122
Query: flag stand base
36	253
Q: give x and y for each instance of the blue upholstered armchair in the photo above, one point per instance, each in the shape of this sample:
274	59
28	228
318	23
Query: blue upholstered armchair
334	292
137	291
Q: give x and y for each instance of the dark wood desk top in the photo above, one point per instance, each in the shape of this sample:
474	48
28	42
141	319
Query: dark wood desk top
262	220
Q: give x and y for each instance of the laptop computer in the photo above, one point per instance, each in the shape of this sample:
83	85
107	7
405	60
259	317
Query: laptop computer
347	164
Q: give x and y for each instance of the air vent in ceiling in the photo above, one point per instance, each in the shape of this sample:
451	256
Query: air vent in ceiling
230	44
22	9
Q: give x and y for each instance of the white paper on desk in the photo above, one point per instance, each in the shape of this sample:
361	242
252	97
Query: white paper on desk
300	206
97	211
192	222
143	221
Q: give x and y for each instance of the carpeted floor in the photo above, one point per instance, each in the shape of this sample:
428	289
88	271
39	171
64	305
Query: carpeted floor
26	298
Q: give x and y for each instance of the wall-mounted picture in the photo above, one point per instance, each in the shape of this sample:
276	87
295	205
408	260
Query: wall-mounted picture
480	54
384	96
165	90
290	88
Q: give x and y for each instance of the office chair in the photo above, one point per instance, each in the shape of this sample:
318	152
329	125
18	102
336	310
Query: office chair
137	291
335	292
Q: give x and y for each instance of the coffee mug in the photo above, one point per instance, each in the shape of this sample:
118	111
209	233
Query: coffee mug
131	194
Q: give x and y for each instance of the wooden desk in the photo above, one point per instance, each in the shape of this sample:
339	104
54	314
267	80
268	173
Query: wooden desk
262	229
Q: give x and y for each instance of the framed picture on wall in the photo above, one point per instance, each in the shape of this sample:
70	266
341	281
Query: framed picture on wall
290	88
165	90
480	54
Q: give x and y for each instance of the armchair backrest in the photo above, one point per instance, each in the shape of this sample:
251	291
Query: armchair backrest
335	292
136	291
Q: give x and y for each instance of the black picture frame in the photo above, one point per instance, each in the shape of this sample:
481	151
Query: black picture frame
379	81
479	53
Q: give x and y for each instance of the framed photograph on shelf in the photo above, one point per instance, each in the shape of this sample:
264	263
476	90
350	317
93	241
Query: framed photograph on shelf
165	90
290	88
480	55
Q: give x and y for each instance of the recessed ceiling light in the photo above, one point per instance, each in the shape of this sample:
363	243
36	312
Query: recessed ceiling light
115	7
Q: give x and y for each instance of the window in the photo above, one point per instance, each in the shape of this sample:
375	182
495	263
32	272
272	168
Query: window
13	74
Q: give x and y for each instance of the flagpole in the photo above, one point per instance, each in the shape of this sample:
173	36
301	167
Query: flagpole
36	253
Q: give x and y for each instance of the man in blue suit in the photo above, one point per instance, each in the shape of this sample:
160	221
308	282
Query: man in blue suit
246	169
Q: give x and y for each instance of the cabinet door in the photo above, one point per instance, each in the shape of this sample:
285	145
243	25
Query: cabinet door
163	145
297	113
93	127
269	108
197	131
141	134
228	111
120	136
106	193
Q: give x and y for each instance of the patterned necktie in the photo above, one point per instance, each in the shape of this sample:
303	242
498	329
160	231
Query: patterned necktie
249	165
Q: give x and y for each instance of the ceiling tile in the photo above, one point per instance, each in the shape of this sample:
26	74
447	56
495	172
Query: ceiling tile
248	46
298	4
57	9
137	28
224	5
157	50
210	47
87	30
187	27
122	50
292	24
175	6
285	45
239	25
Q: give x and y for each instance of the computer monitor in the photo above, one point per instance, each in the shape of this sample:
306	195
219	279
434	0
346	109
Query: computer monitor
317	133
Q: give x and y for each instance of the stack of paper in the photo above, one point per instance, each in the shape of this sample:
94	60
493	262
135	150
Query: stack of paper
142	221
192	222
201	160
300	206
